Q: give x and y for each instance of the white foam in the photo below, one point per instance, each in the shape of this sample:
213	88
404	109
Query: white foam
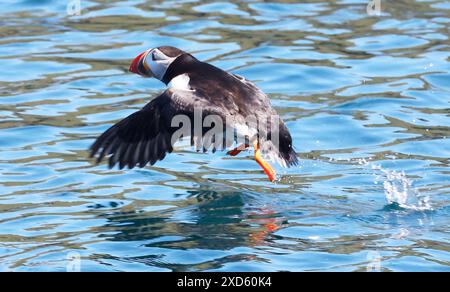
398	188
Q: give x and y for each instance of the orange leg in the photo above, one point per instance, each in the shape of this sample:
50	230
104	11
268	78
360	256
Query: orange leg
264	164
237	150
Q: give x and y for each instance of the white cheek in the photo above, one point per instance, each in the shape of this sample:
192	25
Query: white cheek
158	67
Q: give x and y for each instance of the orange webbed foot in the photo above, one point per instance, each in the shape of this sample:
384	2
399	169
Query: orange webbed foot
237	150
271	174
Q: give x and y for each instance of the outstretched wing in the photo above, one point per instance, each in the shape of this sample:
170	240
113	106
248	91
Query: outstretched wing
144	136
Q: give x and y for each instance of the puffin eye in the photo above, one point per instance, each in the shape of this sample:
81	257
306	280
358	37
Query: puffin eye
158	55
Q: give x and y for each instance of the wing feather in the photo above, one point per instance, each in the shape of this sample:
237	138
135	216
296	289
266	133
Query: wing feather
145	136
142	137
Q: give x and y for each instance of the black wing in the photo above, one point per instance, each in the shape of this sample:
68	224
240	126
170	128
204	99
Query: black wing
141	138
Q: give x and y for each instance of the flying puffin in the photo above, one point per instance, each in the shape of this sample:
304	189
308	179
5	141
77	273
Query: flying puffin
146	135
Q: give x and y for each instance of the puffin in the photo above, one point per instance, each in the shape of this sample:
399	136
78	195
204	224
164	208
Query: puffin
196	90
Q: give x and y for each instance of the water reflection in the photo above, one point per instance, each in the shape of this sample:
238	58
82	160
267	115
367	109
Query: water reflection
213	219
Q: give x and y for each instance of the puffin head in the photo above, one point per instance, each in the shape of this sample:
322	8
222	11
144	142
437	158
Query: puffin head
155	62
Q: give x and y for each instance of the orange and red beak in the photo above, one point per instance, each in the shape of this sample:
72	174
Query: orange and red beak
134	67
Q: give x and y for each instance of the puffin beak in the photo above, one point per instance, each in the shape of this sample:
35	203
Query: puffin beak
135	64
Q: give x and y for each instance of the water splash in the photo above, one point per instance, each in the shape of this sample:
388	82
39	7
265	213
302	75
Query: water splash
398	188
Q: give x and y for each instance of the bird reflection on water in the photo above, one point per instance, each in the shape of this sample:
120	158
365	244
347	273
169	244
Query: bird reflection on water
215	219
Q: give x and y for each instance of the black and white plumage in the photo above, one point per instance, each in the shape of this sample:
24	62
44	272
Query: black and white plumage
145	136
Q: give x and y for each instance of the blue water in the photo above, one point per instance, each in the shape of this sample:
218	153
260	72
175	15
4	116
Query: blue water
366	98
